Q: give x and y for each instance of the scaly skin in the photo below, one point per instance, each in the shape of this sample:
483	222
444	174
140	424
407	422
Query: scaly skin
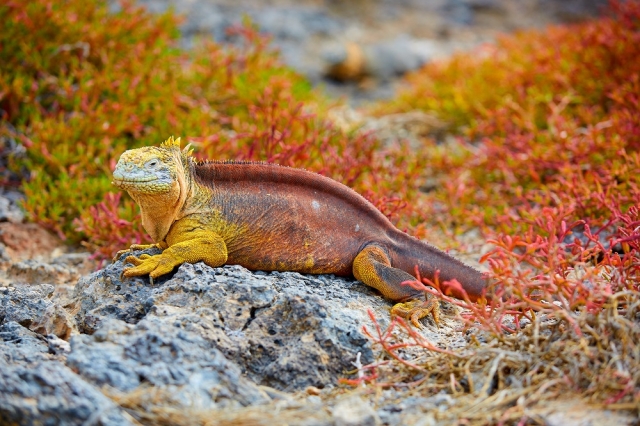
273	218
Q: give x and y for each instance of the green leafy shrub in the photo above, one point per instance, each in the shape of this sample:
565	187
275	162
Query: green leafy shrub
79	85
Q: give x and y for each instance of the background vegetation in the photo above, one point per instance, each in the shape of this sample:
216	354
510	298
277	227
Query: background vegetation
544	163
79	85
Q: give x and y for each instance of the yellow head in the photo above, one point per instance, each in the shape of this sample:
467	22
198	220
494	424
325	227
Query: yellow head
151	170
157	178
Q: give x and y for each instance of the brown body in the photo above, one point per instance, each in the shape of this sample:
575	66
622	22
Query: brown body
295	220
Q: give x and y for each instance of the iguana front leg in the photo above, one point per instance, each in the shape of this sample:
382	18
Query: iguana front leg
196	246
373	267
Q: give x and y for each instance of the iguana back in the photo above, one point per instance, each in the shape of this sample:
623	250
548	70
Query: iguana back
291	219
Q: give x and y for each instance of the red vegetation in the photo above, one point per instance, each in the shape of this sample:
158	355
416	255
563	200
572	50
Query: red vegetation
546	165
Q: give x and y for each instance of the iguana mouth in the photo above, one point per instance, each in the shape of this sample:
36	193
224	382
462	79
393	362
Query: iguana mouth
136	180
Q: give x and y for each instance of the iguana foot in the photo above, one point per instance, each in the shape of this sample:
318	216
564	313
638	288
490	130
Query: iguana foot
373	267
209	248
415	309
155	265
133	247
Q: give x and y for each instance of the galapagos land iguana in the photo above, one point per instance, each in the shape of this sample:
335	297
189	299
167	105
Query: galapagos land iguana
274	218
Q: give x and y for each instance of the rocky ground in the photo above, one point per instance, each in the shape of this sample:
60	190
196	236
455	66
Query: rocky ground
80	349
225	345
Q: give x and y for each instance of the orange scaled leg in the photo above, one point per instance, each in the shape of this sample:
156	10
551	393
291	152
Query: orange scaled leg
373	267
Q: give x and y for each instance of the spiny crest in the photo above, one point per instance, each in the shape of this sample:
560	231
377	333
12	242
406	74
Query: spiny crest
172	143
240	162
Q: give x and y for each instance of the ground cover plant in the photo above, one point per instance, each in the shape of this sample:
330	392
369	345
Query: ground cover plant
79	85
546	165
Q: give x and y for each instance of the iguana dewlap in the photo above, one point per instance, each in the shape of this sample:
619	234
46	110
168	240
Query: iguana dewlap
274	218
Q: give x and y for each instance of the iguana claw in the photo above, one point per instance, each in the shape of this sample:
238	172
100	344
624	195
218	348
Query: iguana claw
133	247
416	309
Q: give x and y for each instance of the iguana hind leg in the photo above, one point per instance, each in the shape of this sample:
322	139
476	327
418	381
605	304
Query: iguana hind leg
373	267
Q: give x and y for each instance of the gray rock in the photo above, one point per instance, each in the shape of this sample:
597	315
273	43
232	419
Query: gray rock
57	345
33	271
459	12
354	411
394	58
9	210
301	339
215	22
574	10
199	338
5	258
103	295
577	412
18	344
80	260
48	393
31	306
24	304
36	387
283	330
161	353
405	409
296	23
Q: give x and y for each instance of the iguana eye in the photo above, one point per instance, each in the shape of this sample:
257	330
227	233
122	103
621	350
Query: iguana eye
153	163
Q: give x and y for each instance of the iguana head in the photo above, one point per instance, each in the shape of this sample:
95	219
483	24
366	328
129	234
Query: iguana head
150	170
157	179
